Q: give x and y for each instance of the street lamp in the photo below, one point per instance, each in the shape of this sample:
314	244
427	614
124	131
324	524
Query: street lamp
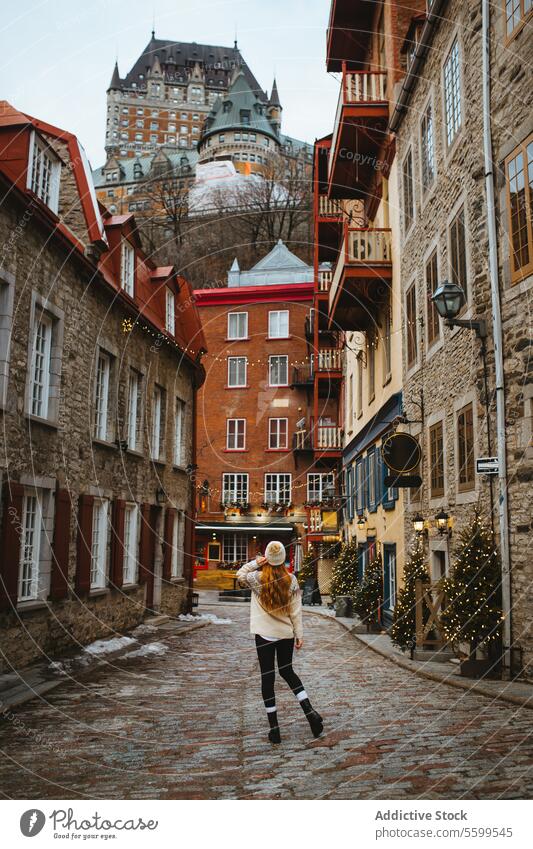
418	524
361	524
448	299
442	520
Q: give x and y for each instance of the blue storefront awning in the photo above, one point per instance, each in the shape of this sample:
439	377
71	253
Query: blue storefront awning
378	424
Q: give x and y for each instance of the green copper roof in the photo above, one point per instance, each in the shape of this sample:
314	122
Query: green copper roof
239	109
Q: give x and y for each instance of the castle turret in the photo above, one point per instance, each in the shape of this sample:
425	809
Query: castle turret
116	83
274	108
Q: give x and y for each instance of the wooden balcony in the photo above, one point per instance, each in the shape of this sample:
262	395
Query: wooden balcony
360	135
349	31
302	376
331	214
320	438
329	360
361	278
324	281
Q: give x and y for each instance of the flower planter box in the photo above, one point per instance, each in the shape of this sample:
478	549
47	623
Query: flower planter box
480	669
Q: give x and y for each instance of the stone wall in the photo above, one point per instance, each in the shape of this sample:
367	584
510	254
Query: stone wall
89	315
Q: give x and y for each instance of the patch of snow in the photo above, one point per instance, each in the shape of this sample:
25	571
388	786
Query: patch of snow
144	629
149	650
206	617
100	647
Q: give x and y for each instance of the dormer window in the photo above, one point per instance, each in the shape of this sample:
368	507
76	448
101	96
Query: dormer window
245	116
127	268
170	322
44	171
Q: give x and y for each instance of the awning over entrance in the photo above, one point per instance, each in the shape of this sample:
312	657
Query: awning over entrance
235	527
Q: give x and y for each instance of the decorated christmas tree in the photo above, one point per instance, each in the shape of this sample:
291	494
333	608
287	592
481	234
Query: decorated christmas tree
403	629
369	593
344	572
308	568
473	611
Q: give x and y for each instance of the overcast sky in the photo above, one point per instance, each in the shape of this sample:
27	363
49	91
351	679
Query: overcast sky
57	56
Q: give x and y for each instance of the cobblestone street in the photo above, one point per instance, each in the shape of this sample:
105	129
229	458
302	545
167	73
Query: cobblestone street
190	724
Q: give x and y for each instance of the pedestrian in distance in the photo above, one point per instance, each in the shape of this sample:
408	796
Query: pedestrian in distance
276	622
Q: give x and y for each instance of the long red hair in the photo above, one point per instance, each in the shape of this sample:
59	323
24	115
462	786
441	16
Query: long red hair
275	588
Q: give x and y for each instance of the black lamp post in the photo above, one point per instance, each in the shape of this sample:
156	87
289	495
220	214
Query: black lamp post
448	299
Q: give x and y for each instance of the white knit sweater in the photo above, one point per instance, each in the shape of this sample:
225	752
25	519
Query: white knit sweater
283	626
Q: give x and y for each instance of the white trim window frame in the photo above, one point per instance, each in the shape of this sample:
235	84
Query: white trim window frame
278	370
237	371
157	414
127	268
101	395
176	558
235	487
278	488
408	191
235	434
316	485
278	324
41	362
131	543
99	544
452	95
44	173
278	433
30	549
179	421
170	312
427	149
237	326
134	410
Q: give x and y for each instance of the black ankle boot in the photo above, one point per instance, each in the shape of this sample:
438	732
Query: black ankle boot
313	717
274	736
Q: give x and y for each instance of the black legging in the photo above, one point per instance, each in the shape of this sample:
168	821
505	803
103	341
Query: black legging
267	651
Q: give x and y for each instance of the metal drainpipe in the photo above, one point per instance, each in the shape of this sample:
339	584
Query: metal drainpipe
498	342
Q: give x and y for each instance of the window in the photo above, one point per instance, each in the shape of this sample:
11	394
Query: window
516	11
127	268
237	325
278	324
131	527
170	323
158	423
408	192
44	173
349	412
237	371
235	434
179	441
101	395
234	488
433	323
221	138
436	460
359	487
320	486
40	367
99	545
519	174
371	479
387	350
427	148
278	433
412	341
371	360
452	93
30	548
134	411
277	489
235	548
465	449
360	384
457	236
176	558
278	370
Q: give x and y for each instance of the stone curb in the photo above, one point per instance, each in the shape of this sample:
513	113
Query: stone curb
459	683
22	693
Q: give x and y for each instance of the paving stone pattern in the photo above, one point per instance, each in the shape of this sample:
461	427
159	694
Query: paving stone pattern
189	724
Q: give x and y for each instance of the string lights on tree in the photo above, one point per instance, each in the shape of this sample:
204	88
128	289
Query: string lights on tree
344	573
403	630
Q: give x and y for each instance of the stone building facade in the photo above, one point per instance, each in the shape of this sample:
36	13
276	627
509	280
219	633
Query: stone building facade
99	369
448	396
259	475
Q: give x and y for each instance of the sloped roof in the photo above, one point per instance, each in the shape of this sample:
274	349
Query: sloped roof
274	96
279	257
226	112
279	265
126	164
182	55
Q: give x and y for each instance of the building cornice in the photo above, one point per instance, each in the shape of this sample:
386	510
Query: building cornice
253	294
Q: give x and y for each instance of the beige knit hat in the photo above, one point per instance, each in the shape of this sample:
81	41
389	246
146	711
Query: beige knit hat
275	553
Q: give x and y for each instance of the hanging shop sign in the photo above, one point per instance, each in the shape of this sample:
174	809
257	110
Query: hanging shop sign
401	453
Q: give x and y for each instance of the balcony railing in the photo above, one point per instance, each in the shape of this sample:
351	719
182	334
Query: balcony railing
328	437
302	441
329	359
329	208
357	88
363	247
302	375
324	280
315	521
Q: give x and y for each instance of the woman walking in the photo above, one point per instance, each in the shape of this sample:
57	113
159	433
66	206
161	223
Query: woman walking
276	621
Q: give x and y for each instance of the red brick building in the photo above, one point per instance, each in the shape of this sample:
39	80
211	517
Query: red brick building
259	477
